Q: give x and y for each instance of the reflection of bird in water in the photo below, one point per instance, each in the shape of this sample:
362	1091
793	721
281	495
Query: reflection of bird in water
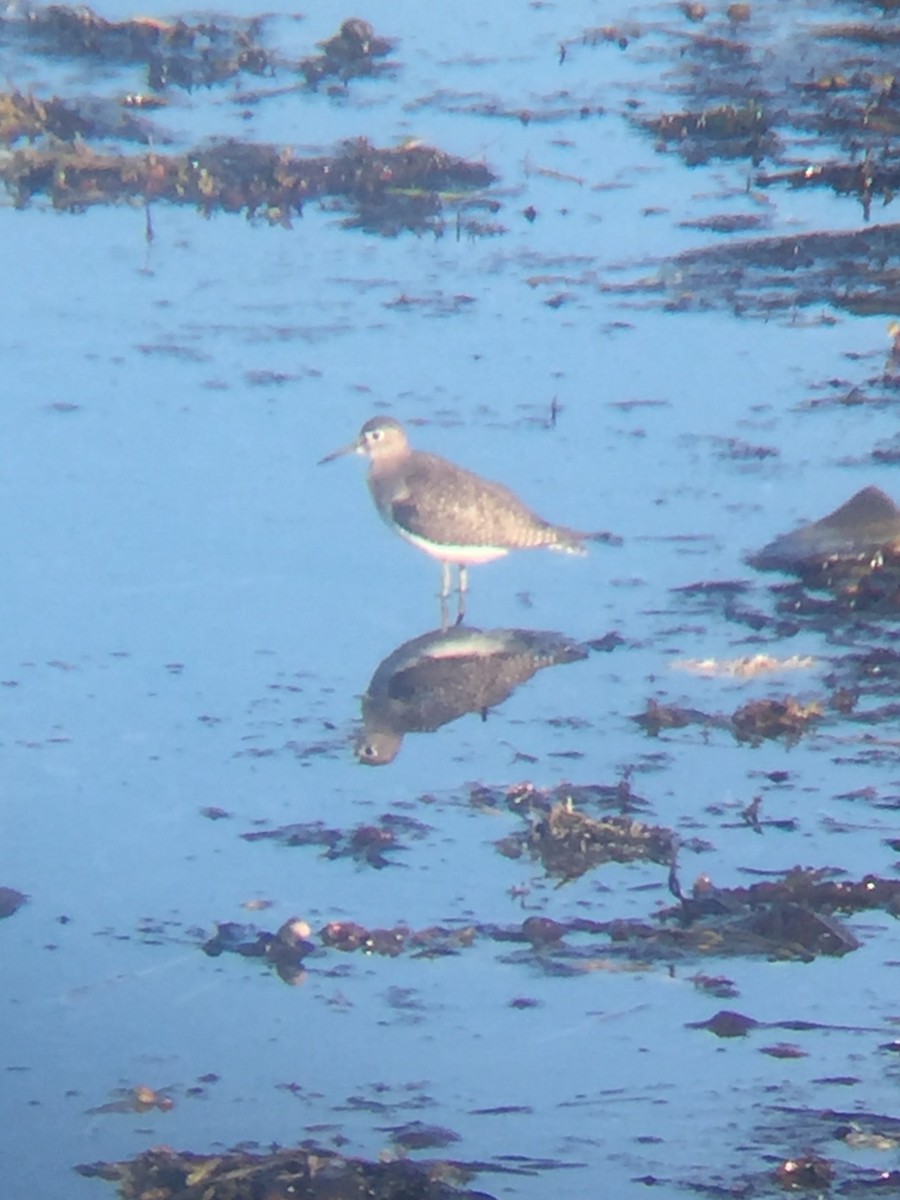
892	366
452	514
437	677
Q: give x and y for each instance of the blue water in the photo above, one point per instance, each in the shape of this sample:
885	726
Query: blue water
191	609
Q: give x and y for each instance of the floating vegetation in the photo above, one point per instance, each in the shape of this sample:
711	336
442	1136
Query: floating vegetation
816	890
722	131
24	117
287	949
858	272
763	720
569	842
176	53
755	722
138	1099
314	1174
283	950
386	191
366	844
353	52
869	180
788	918
750	92
185	55
258	180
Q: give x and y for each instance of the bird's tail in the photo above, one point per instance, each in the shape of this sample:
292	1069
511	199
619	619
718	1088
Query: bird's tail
568	541
572	541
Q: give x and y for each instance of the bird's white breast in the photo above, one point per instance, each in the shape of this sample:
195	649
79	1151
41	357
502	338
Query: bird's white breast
462	555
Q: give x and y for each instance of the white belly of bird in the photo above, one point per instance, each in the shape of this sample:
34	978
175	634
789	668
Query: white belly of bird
461	555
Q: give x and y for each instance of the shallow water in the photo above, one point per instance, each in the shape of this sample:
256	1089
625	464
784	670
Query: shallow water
193	609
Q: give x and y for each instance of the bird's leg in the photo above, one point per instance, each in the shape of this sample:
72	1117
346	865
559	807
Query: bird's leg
445	596
461	593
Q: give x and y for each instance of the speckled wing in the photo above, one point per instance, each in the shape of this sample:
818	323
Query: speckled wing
445	504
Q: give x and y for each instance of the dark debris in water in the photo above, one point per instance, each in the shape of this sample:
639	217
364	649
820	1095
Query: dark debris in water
294	942
789	918
368	844
721	131
805	107
437	941
528	800
750	92
856	271
853	615
566	839
754	722
727	1023
719	986
175	52
311	1173
283	950
859	1129
383	191
729	600
814	1169
138	1099
558	108
353	52
788	934
813	889
764	720
11	901
184	55
416	1135
874	671
259	180
568	842
869	180
25	117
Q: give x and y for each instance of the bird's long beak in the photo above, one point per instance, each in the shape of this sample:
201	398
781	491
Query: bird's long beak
353	448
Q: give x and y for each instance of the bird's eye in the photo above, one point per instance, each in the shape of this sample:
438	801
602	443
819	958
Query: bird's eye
375	435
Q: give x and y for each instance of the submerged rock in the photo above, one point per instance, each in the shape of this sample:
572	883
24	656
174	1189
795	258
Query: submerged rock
11	900
861	533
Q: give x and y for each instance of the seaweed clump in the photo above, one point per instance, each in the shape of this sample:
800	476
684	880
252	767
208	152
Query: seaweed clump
259	180
314	1174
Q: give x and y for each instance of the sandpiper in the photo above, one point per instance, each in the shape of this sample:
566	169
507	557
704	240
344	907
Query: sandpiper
452	514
